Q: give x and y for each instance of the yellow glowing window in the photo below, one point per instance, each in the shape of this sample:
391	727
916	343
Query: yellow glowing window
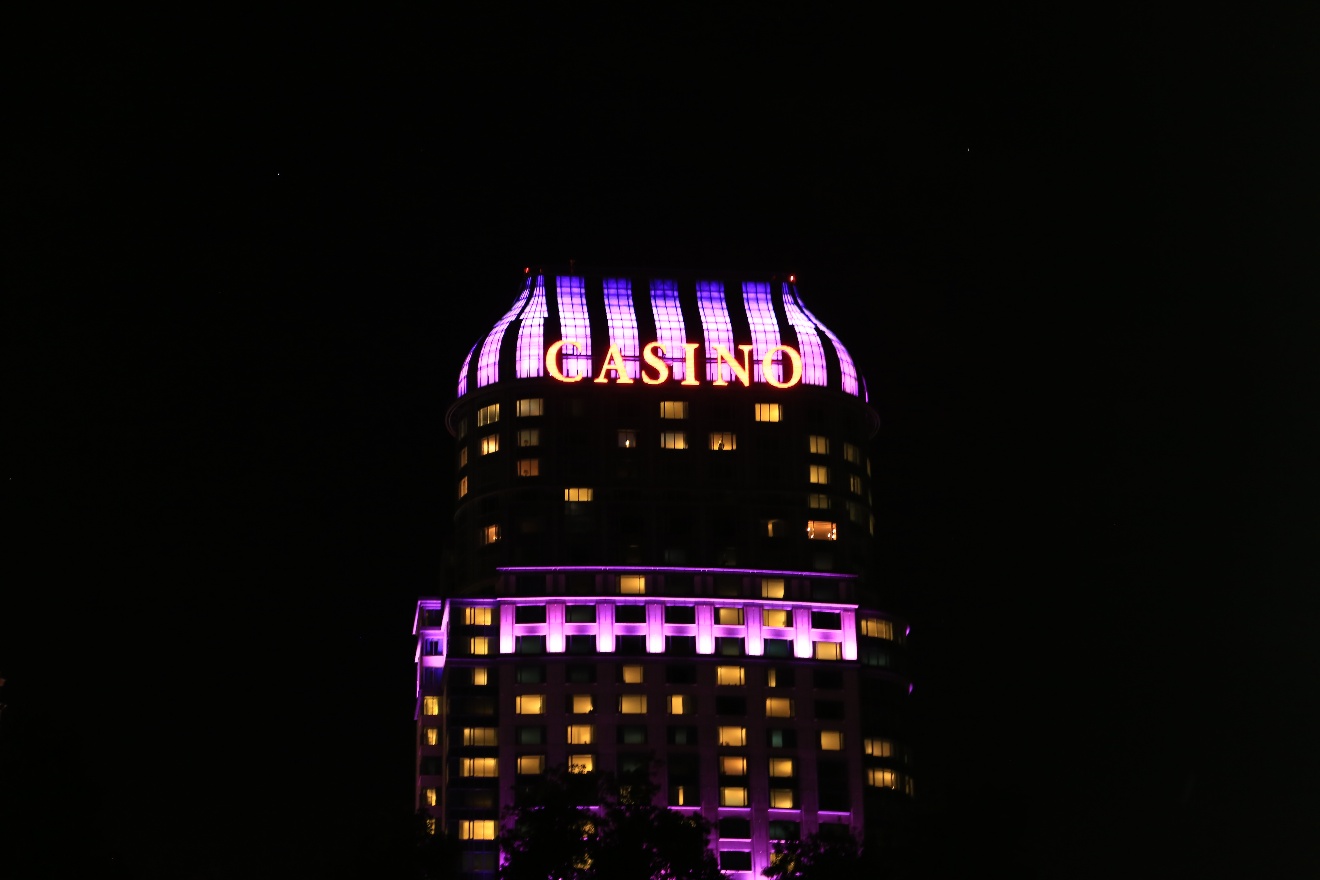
581	763
877	629
831	740
781	798
731	675
430	825
781	768
774	528
772	678
775	617
673	440
530	704
580	704
827	650
529	467
581	734
868	467
480	676
632	584
488	415
778	707
631	674
772	588
683	795
529	437
878	748
818	501
818	445
480	736
430	705
627	438
476	616
732	736
769	412
476	829
852	454
479	646
462	456
881	778
463	487
579	493
729	616
432	736
531	406
822	530
733	796
429	797
490	534
531	765
490	443
818	473
723	441
854	484
479	767
731	766
673	409
632	704
681	704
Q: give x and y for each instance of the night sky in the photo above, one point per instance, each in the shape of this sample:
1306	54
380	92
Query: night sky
1071	252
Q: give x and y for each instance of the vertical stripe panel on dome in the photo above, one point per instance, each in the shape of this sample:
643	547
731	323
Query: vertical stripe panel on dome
622	322
531	334
715	325
574	324
809	344
669	328
488	363
463	373
765	329
846	367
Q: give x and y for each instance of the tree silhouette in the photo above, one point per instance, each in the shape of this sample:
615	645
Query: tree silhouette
817	858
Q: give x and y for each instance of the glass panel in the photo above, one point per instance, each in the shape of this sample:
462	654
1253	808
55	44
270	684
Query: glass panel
531	335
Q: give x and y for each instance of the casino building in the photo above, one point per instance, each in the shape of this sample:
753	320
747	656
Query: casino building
664	552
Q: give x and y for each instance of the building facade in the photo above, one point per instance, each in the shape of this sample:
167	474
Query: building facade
664	553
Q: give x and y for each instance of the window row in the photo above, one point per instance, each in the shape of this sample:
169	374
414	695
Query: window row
675	645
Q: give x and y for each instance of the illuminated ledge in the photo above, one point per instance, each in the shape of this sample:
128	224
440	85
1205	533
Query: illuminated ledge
659	569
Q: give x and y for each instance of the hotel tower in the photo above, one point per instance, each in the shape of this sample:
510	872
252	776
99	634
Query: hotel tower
664	552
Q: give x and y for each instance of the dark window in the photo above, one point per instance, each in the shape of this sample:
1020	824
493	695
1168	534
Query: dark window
679	614
579	644
826	620
829	710
531	736
631	645
784	678
680	673
779	647
630	614
782	829
472	705
530	585
529	644
728	585
834	831
781	738
580	614
682	646
635	764
832	777
631	735
529	614
736	829
580	673
728	646
730	705
580	583
682	736
735	860
824	591
827	679
431	675
678	585
873	657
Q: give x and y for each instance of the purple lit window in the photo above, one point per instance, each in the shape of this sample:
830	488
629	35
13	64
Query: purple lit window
809	346
715	325
622	320
488	364
669	328
574	324
765	329
463	373
531	334
845	360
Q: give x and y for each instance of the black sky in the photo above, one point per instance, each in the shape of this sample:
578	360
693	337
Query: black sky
1068	249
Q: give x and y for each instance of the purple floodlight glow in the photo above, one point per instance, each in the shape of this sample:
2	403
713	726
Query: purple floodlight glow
705	629
665	569
574	323
506	628
669	328
463	373
715	325
765	329
531	334
809	345
846	367
488	363
622	321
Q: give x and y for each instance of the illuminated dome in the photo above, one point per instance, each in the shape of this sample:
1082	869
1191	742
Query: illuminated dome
638	327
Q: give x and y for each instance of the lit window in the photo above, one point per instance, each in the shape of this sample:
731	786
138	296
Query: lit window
775	617
723	441
852	454
772	588
430	705
817	501
490	443
529	437
774	528
463	487
476	829
854	484
430	825
531	765
531	406
490	534
731	675
681	704
479	646
673	409
480	736
432	736
821	530
769	412
731	766
818	473
529	467
631	674
673	440
488	415
818	445
881	777
632	584
878	748
732	736
530	704
729	616
580	704
733	796
429	797
627	438
632	704
781	768
479	767
480	676
781	798
778	707
827	651
476	616
831	740
581	734
578	494
581	763
877	629
462	457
